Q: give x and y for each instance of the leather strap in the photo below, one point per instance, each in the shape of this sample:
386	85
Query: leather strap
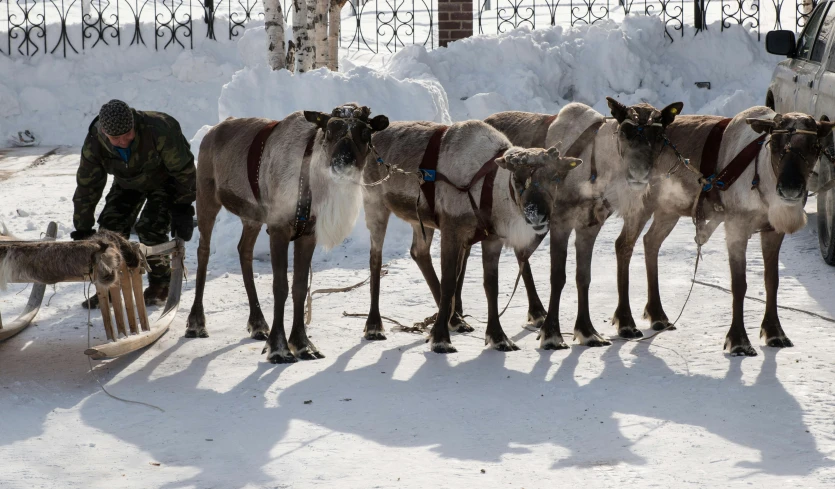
580	144
253	159
429	168
304	224
737	166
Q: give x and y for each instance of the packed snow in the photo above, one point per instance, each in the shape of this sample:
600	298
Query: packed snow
671	412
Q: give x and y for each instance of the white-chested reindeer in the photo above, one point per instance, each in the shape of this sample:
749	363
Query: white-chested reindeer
465	159
302	180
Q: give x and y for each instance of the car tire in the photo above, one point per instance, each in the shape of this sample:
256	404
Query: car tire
826	213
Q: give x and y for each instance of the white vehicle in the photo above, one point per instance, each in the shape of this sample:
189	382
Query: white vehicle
805	82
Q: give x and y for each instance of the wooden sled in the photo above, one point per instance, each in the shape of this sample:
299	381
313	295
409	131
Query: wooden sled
121	301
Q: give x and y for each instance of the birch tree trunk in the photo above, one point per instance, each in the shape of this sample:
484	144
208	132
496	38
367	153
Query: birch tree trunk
321	33
301	39
307	54
334	23
274	26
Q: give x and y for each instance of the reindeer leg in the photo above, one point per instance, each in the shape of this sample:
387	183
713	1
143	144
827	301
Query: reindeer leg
662	226
277	349
457	323
451	249
207	210
420	254
256	326
491	251
736	341
550	337
771	329
536	311
300	344
624	245
376	219
584	331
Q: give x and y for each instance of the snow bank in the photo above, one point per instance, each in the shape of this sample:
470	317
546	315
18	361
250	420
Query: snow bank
542	70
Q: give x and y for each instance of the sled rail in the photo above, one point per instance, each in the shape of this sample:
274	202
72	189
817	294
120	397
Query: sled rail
122	305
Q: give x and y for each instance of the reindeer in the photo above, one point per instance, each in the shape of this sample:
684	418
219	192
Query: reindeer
301	178
768	198
515	199
620	153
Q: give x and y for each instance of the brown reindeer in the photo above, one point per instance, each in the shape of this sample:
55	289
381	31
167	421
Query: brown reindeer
470	159
768	198
302	181
620	153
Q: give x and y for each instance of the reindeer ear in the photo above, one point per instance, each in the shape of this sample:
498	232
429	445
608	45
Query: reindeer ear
762	125
617	108
379	123
668	115
567	163
318	118
502	162
825	128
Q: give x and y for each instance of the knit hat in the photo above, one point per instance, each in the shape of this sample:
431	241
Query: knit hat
115	118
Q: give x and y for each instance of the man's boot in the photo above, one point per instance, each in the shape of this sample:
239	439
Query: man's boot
156	294
92	302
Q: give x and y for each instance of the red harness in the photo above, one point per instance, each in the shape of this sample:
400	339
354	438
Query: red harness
303	224
429	171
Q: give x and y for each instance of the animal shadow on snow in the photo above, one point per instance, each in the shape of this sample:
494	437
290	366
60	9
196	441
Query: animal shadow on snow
475	410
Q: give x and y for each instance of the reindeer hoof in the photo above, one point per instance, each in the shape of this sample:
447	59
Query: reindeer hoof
309	355
458	325
197	333
258	329
743	351
630	333
663	325
780	342
443	347
279	356
535	319
594	340
553	343
503	344
378	335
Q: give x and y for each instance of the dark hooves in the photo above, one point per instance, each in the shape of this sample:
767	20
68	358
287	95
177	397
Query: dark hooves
443	347
780	343
375	335
310	355
663	326
461	328
198	333
503	344
630	333
555	343
743	351
594	343
259	335
278	357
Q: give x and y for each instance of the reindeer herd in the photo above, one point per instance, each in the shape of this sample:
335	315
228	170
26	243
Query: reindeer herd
505	181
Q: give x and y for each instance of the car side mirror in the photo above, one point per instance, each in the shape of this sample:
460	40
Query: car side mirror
780	42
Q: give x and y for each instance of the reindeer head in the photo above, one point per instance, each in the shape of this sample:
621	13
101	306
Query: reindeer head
347	139
640	137
534	175
796	143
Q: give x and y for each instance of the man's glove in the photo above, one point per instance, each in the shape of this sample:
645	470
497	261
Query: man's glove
182	221
80	234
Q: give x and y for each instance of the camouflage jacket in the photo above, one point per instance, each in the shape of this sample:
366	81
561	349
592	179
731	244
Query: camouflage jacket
159	155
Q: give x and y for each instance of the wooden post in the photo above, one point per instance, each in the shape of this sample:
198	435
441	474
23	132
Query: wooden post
104	307
127	292
455	20
136	278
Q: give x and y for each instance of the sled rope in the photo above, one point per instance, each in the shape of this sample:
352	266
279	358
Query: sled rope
308	313
90	360
756	299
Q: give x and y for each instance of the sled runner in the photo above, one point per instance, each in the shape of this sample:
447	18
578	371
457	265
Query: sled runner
121	303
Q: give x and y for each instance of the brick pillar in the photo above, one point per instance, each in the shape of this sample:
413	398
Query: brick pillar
455	20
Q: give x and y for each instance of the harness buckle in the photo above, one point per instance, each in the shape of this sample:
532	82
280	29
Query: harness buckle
427	175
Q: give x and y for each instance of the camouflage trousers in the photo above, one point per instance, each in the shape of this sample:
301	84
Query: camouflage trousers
122	208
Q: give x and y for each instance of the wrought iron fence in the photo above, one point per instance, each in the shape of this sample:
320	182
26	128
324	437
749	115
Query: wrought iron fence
68	27
678	15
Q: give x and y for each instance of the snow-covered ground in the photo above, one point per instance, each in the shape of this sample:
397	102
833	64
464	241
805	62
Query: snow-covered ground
671	412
